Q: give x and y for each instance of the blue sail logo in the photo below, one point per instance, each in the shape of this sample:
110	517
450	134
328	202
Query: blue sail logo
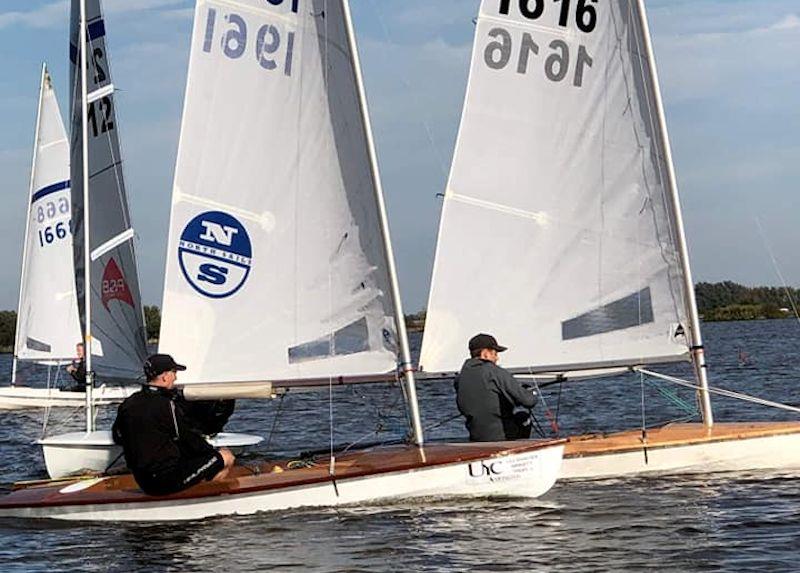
215	254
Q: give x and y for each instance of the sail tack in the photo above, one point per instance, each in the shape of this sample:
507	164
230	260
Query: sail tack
47	324
557	233
117	321
276	266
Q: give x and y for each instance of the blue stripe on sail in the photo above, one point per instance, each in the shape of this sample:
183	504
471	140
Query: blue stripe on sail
96	30
54	188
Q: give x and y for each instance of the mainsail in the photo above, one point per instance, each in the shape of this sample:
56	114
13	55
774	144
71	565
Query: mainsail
47	317
557	232
277	268
117	321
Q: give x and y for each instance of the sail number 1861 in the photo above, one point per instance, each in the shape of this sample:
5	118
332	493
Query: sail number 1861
272	48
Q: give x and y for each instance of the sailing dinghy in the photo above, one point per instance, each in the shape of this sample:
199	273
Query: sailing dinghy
47	315
561	216
280	275
105	273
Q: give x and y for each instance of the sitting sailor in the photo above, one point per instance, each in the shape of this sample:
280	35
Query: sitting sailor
77	370
164	445
487	395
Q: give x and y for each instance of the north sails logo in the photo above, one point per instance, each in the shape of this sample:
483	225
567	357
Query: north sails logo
114	286
215	254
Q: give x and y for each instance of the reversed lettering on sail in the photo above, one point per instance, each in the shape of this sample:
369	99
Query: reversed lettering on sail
557	234
47	317
276	255
114	286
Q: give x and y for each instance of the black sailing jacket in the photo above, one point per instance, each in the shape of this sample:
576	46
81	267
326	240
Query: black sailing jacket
155	430
486	395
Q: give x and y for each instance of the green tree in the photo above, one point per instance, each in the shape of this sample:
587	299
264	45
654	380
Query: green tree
152	319
8	328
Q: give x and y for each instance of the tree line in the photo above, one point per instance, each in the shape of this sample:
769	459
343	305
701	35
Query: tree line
715	301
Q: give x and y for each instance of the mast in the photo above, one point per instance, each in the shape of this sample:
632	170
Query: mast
405	355
87	287
42	83
695	338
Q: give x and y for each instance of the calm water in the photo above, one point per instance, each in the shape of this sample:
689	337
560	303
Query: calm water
711	523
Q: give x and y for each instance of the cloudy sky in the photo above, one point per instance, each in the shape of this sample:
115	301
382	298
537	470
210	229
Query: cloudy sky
729	71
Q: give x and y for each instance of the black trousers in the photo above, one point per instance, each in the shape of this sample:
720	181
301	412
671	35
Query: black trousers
181	475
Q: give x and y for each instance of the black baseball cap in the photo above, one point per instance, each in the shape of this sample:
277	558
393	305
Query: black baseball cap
160	363
482	340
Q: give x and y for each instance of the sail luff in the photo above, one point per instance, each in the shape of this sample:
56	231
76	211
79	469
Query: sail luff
683	250
406	365
87	268
23	274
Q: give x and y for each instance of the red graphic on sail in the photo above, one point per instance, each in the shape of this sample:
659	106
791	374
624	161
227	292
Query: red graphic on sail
114	285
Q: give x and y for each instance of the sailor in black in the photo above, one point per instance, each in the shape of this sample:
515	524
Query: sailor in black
77	370
487	395
163	446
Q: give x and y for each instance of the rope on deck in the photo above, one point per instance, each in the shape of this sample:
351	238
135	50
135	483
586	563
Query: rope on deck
721	391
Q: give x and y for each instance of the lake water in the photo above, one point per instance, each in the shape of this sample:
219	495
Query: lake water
731	522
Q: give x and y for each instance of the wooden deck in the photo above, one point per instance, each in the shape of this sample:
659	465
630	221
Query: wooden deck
672	435
276	475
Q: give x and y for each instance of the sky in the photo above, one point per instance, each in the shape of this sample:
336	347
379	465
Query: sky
729	72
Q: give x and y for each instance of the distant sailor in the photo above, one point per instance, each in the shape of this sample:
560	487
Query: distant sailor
77	369
163	442
488	394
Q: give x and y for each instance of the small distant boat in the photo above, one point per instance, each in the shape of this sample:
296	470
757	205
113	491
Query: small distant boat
280	260
561	215
47	315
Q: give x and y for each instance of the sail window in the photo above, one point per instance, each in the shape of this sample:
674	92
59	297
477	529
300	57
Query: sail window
38	345
349	339
632	310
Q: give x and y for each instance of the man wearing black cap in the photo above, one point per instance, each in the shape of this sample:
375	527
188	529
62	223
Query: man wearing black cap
163	446
488	394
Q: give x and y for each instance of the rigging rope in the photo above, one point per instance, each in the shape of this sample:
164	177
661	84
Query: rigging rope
777	269
721	391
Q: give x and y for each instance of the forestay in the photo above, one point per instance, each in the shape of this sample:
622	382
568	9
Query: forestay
117	321
276	265
557	233
47	323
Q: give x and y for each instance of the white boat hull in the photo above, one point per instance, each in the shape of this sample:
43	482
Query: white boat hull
76	453
736	452
24	397
527	474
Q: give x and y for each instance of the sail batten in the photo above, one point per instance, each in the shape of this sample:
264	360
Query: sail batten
276	252
116	328
558	233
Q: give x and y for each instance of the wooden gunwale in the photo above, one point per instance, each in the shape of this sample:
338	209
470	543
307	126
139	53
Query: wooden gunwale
123	489
671	436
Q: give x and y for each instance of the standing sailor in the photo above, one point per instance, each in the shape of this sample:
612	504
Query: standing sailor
163	446
488	394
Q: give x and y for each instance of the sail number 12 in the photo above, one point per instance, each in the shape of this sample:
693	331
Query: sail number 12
271	49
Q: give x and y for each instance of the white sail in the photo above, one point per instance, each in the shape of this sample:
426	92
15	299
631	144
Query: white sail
117	321
47	319
276	266
557	234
